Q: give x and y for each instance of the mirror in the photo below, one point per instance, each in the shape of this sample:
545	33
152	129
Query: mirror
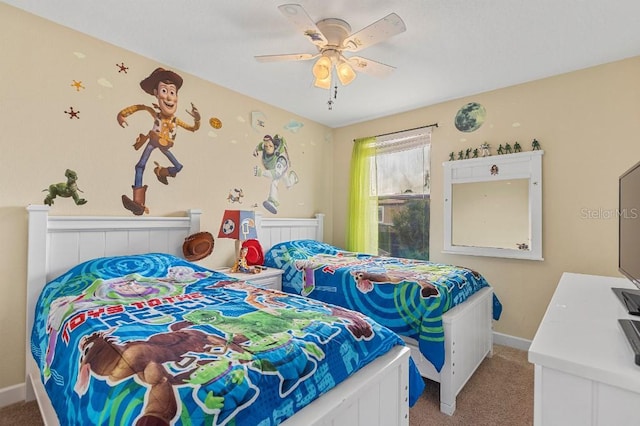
493	206
490	214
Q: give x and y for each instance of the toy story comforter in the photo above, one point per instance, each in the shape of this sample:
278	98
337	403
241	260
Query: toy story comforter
154	339
407	296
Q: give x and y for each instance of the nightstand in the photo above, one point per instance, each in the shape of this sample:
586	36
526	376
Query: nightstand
268	278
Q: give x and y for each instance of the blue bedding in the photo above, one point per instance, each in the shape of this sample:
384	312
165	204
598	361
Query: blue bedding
407	296
153	338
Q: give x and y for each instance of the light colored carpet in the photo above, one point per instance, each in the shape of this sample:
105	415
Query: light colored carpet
499	393
22	413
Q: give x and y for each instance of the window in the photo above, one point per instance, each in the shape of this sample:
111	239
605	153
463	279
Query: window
390	175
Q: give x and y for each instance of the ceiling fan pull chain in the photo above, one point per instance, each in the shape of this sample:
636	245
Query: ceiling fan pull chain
335	96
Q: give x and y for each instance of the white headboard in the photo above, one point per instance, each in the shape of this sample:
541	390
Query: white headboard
57	243
275	230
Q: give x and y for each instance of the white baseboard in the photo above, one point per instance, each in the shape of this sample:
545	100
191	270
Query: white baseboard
511	341
12	394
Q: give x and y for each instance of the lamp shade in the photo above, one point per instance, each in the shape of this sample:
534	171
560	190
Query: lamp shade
238	225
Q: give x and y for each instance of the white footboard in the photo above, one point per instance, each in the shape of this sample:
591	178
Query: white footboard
468	340
377	396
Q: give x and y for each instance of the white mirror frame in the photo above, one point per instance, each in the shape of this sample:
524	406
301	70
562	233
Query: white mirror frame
522	165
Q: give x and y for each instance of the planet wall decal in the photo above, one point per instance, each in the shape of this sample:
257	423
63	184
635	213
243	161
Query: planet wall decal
470	117
215	122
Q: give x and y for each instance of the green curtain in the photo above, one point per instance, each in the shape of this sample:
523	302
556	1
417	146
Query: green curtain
362	221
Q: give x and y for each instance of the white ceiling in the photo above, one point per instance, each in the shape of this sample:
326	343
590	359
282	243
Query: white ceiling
451	49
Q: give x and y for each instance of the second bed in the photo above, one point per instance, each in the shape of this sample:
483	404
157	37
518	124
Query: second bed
443	312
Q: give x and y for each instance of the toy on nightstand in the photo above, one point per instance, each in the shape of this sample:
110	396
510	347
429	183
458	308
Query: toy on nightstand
197	246
242	266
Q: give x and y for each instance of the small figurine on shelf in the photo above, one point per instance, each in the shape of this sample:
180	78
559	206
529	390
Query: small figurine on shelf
461	155
241	264
452	156
475	153
535	145
507	149
500	150
517	147
485	147
467	153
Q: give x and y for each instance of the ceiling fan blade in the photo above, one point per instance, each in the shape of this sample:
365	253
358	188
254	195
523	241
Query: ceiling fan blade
379	31
368	66
299	17
288	57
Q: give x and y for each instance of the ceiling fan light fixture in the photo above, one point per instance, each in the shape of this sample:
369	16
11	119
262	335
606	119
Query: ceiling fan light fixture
332	36
322	68
346	74
323	83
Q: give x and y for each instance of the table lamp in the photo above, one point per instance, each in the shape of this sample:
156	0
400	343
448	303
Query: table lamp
239	225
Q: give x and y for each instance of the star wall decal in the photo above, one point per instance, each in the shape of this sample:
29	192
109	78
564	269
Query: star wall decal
78	85
122	67
73	114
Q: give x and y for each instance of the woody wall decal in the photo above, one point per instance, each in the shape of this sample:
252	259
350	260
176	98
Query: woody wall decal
164	85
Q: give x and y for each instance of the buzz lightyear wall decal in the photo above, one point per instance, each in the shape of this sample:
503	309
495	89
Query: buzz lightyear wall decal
277	167
163	85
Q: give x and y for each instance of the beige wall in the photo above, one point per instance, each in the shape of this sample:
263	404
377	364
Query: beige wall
588	123
39	141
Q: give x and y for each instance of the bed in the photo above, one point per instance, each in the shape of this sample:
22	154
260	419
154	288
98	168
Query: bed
448	346
376	394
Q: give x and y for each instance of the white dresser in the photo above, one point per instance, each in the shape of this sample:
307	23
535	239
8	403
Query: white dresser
584	367
268	278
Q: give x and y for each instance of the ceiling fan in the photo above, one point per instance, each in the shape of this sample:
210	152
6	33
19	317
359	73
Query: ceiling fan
332	37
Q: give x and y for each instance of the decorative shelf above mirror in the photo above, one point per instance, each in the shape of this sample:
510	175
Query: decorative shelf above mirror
493	206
